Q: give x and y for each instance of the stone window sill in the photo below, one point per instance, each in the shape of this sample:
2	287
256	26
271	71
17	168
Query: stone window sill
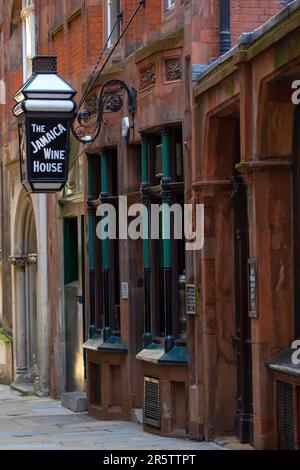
114	344
155	353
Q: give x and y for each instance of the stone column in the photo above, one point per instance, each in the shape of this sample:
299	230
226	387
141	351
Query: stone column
19	263
165	183
42	299
214	329
271	245
31	303
91	244
146	245
105	254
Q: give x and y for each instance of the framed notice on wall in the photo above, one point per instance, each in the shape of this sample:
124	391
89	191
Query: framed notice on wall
125	291
252	288
192	299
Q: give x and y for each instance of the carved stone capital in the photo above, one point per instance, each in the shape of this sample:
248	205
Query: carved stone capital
19	262
32	258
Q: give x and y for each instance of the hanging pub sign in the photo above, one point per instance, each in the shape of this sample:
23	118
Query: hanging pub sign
44	111
48	151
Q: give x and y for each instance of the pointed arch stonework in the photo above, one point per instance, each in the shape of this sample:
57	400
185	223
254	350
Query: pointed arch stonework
24	263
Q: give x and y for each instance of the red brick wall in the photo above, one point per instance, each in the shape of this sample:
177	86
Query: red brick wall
78	43
203	28
134	36
12	75
95	32
58	50
247	15
75	50
153	19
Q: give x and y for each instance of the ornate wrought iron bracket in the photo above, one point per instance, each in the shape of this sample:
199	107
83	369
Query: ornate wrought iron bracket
113	97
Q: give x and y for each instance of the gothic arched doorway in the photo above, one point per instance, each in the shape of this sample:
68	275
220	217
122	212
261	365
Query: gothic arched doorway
24	262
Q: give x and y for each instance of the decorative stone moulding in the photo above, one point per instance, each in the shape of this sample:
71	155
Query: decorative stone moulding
32	259
20	262
173	69
147	77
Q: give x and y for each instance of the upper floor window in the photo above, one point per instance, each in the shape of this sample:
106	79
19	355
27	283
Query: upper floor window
28	25
178	280
113	10
170	4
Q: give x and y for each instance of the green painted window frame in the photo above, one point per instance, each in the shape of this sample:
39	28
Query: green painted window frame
71	259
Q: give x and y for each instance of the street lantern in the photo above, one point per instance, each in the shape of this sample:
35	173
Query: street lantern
45	110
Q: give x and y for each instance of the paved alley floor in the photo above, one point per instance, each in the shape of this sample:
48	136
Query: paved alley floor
34	423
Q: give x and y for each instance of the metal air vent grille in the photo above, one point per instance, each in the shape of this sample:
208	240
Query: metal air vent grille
152	402
286	416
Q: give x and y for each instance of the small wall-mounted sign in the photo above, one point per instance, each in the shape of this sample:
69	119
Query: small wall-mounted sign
252	288
125	291
192	299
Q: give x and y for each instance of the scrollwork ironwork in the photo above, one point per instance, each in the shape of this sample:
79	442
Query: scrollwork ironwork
71	185
112	99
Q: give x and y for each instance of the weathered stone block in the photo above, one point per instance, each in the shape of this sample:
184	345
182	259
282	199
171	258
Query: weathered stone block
137	415
75	401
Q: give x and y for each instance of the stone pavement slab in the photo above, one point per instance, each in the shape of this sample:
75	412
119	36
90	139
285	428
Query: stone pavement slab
35	423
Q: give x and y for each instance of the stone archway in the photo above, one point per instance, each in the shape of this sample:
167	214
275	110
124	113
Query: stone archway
24	262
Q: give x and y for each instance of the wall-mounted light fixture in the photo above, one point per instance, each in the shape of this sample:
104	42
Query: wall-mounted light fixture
46	114
44	110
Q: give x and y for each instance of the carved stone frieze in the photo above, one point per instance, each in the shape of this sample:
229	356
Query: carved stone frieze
173	69
147	77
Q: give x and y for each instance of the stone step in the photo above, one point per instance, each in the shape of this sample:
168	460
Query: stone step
27	389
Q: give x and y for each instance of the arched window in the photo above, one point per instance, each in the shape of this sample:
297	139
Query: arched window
113	9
